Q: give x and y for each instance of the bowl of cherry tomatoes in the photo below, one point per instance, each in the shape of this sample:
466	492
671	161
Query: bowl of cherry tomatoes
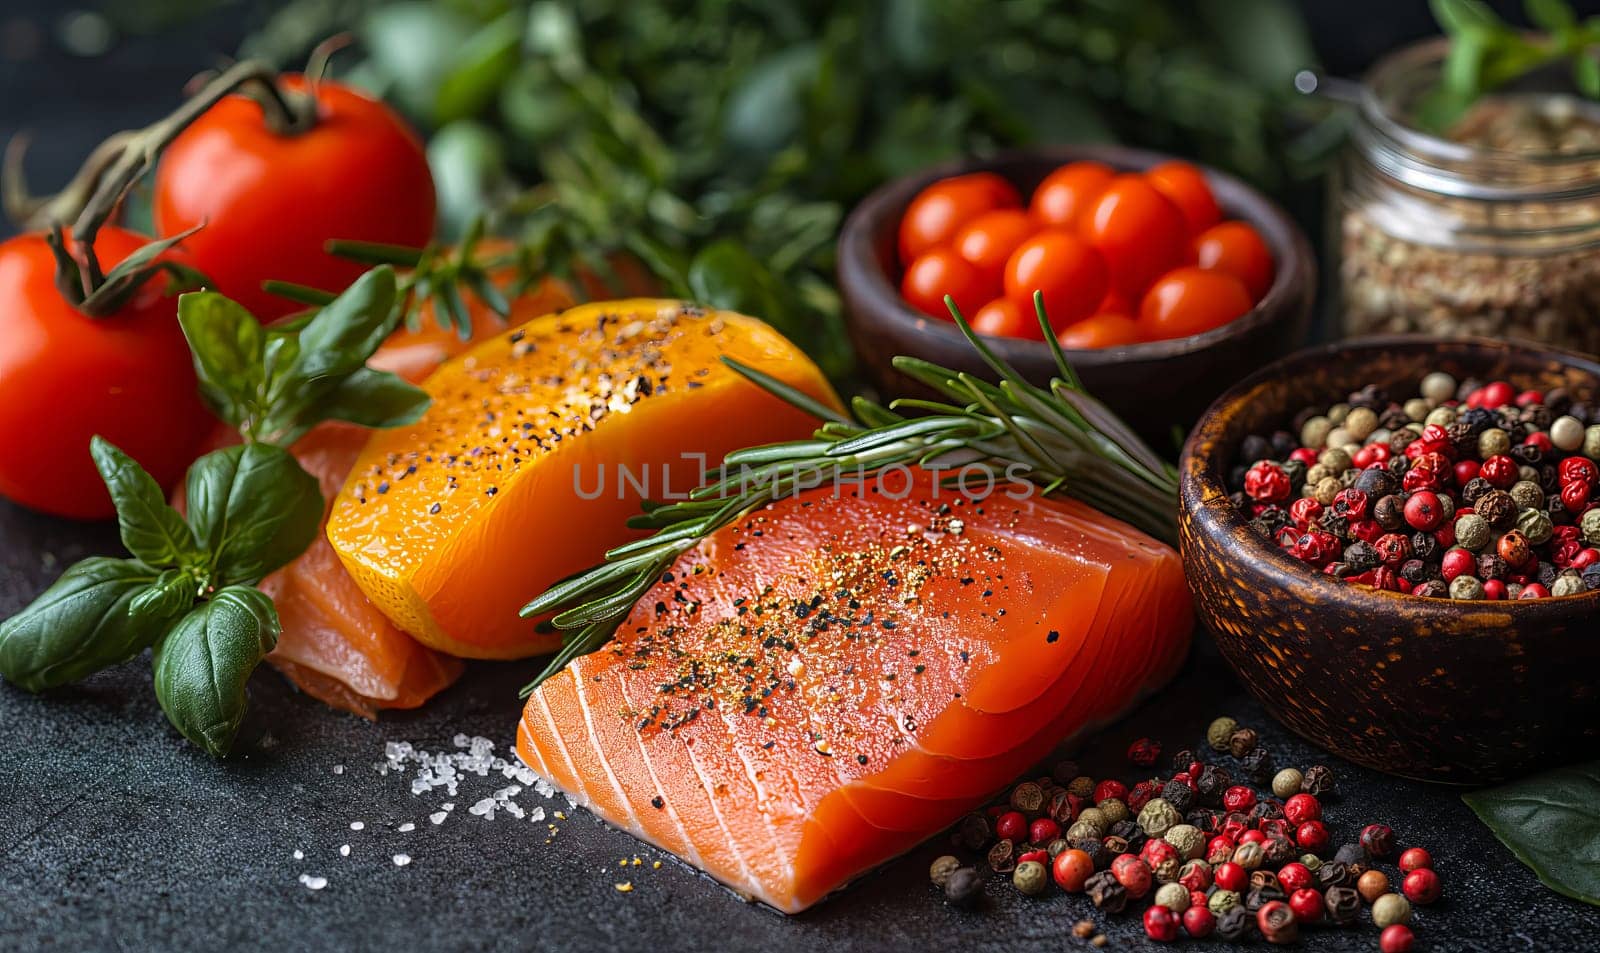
1166	283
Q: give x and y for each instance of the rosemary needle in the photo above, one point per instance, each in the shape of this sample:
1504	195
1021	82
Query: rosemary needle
1060	437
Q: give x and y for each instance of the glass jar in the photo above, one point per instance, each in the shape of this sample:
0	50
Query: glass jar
1494	231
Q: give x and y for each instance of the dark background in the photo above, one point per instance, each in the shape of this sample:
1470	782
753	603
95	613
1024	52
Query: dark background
116	835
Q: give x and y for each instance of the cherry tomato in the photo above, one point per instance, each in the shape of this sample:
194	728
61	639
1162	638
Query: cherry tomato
939	211
1189	301
1004	318
1139	231
1101	330
1237	249
1064	268
65	376
1186	187
942	272
1064	194
269	203
988	240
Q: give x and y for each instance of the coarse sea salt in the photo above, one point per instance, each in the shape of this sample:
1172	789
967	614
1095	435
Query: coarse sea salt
400	860
407	827
357	825
299	855
344	850
451	771
313	883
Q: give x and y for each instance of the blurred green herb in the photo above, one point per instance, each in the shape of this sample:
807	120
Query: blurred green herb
1487	54
721	141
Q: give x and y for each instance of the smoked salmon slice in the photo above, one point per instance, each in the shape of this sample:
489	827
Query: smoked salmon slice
835	678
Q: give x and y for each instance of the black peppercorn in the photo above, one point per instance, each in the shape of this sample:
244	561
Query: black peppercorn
1527	454
1591	577
1106	892
1497	507
1060	807
1257	897
1332	522
1475	490
1211	784
1236	924
1258	766
1296	472
1425	546
1255	447
1130	832
1208	820
1540	416
1432	589
1095	848
1283	444
1266	809
1414	571
1277	851
1342	904
1377	840
1003	857
1372	397
1389	511
1491	566
1333	874
1182	759
1547	574
964	886
1360	556
1242	742
1178	795
974	833
1115	845
1318	780
1476	420
1260	879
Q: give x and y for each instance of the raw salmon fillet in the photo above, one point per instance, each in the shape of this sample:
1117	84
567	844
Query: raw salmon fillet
818	688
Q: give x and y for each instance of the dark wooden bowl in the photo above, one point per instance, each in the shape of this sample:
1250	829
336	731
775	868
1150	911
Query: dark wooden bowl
1432	689
1156	386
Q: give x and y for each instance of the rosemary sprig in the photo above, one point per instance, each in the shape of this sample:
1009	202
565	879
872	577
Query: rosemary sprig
1060	437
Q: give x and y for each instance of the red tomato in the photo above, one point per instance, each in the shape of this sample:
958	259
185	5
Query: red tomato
270	203
1064	268
1236	249
1186	187
1102	330
1065	193
1189	301
1003	318
942	272
65	377
1138	230
938	211
988	240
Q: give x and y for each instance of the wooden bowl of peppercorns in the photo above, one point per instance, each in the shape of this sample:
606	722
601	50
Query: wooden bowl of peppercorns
1438	689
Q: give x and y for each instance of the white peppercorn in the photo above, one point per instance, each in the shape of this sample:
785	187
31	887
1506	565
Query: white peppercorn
1438	386
1566	433
1440	416
1417	408
1314	432
1591	442
1389	909
1286	783
1335	459
1174	897
1567	584
1337	413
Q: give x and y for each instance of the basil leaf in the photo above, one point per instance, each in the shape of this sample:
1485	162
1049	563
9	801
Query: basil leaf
203	664
227	344
173	592
343	335
1551	822
374	398
151	529
78	626
253	508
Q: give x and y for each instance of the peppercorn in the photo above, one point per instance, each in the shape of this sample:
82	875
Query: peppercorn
1199	922
1031	879
1257	897
1258	766
1195	875
1312	862
1012	826
1372	885
1396	938
1378	484
1302	808
1144	752
1189	841
1248	855
1235	924
1472	532
1333	874
1242	742
1134	875
963	887
1003	857
1391	908
1497	508
1377	840
1277	851
1165	870
1342	905
1277	923
1106	892
1160	924
940	870
1206	819
1070	869
1466	587
1421	886
1221	901
1095	818
1043	831
1085	830
1158	817
1173	896
1306	904
1081	786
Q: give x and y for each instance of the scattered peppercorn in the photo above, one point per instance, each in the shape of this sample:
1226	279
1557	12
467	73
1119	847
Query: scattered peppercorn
1318	780
964	887
1144	752
1160	924
1242	742
1342	905
1372	885
1421	886
1391	908
941	869
1031	878
1106	892
1199	921
1235	924
1415	858
1083	929
1396	938
1071	869
1378	840
1220	733
1286	783
1277	923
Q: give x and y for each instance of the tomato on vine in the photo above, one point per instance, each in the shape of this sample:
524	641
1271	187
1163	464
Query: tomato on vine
274	175
74	364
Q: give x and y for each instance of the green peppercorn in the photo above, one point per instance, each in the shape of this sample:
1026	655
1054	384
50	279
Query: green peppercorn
1249	855
1221	901
1219	732
1158	817
1472	532
1440	417
1311	862
1567	584
1114	811
1591	442
964	887
1188	840
941	869
1314	432
1057	846
1389	909
1031	878
1174	897
1081	786
1326	489
1526	493
1242	742
1438	387
1535	526
1417	408
1466	587
1335	459
1027	797
1286	783
1492	442
1589	526
1085	830
1096	817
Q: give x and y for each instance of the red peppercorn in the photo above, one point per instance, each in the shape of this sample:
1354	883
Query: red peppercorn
1071	868
1377	840
1584	558
1415	858
1037	856
1306	904
1304	455
1198	921
1539	439
1434	439
1230	876
1578	468
1364	458
1144	752
1142	794
1077	804
1160	924
1421	477
1351	503
1043	831
1304	512
1421	886
1274	827
1193	772
1186	779
1133	874
1012	826
1465	470
1445	535
1301	808
1514	548
1110	791
1238	798
1529	397
1494	589
1423	511
1253	837
1456	562
1265	482
1316	547
1220	849
1501	471
1155	852
1294	876
1198	898
1312	836
1534	590
1195	877
1396	938
1575	495
1234	825
1497	394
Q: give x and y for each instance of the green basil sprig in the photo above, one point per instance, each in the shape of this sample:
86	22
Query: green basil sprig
1551	821
186	592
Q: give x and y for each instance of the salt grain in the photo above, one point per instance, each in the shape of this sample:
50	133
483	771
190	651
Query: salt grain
338	769
437	817
313	883
299	855
407	827
357	825
400	860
